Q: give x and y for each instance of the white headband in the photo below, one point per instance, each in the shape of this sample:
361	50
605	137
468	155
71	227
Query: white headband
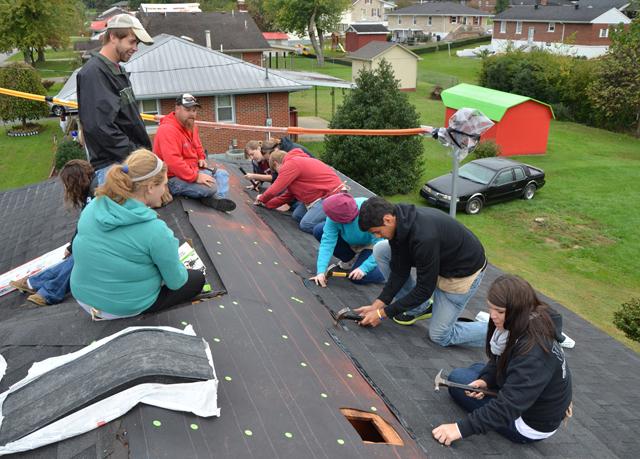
154	172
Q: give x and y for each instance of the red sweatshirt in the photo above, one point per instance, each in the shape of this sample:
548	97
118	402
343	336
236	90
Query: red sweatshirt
179	148
304	179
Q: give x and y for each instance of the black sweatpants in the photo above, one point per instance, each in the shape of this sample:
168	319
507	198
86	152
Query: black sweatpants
168	298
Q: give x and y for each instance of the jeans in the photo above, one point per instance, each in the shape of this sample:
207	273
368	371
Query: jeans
469	404
179	187
308	218
101	174
444	328
344	252
52	284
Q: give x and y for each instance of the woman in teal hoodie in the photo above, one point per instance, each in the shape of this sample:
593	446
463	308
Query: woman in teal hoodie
340	236
126	258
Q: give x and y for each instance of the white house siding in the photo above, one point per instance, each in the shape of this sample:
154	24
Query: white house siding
557	48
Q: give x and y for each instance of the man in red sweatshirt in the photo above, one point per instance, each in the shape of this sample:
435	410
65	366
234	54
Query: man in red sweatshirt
304	179
178	144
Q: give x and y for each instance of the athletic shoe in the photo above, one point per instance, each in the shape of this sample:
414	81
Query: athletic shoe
221	204
37	299
408	319
567	342
22	285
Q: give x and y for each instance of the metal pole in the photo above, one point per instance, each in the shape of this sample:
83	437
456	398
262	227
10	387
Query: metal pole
333	101
454	184
316	90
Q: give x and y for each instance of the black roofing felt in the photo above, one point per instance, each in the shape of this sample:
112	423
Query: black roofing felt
270	392
438	9
235	32
552	13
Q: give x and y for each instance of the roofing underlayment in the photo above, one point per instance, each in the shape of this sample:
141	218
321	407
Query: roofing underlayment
285	369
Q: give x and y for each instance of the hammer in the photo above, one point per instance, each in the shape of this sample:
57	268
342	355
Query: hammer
442	380
346	314
331	271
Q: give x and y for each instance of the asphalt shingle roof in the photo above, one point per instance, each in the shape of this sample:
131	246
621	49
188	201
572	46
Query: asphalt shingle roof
235	32
368	28
373	49
439	9
553	13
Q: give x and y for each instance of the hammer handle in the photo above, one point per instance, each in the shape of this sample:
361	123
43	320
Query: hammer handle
469	388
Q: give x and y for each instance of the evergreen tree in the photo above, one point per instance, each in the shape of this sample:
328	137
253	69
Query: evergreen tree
501	5
385	165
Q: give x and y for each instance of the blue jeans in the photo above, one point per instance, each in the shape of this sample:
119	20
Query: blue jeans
101	174
469	404
179	187
308	218
344	252
444	328
53	284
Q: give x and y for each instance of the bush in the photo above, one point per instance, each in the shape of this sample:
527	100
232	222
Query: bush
21	77
627	319
385	165
68	150
486	149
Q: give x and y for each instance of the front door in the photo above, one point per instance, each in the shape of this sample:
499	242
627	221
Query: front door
532	31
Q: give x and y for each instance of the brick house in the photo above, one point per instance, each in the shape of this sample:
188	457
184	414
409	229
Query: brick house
438	19
235	34
577	30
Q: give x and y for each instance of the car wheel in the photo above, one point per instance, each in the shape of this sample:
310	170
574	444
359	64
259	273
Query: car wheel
474	206
58	110
529	191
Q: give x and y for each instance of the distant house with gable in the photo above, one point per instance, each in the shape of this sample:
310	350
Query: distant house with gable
234	34
580	29
366	11
170	8
403	62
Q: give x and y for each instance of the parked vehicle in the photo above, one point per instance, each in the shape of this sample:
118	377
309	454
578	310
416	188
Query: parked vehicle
67	92
485	181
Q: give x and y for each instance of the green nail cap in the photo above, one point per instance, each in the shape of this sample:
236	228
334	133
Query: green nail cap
221	306
340	441
194	426
184	323
288	434
235	302
374	409
270	310
217	340
248	433
285	337
206	288
228	378
327	344
302	364
323	395
349	375
156	423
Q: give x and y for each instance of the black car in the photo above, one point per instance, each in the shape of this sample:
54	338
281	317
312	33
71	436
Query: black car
485	181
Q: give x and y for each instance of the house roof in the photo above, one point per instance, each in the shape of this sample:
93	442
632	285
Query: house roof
232	32
368	28
494	104
374	49
552	13
620	4
173	66
114	10
275	36
439	9
98	26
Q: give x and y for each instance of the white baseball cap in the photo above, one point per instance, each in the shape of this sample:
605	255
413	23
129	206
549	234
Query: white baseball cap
126	21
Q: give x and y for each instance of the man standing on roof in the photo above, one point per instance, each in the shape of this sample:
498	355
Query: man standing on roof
111	123
449	261
178	144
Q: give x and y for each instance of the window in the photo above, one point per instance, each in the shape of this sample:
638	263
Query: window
503	26
149	107
518	27
552	27
225	112
364	12
453	19
519	173
415	20
399	19
504	177
429	20
604	33
464	20
476	20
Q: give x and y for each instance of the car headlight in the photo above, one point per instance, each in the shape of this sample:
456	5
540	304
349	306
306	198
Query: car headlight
427	189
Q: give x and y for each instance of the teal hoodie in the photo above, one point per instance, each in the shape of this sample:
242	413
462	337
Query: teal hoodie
122	255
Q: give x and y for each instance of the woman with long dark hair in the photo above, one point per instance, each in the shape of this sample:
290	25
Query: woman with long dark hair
526	368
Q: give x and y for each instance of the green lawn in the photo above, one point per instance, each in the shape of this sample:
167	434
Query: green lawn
586	253
27	160
60	63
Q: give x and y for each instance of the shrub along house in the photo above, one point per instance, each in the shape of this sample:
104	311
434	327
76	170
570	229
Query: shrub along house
437	19
235	34
229	89
577	30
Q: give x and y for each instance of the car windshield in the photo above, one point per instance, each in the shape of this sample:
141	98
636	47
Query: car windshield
476	173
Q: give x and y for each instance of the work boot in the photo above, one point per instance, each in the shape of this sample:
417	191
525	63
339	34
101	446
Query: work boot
22	285
37	299
221	204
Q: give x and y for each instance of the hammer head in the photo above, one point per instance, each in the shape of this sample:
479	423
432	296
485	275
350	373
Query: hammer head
439	380
347	314
331	271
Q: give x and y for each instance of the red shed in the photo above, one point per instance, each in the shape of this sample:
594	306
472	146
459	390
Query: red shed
522	123
358	35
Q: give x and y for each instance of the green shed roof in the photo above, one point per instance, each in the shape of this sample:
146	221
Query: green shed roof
494	104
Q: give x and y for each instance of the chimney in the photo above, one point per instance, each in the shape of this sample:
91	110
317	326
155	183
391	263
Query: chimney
207	38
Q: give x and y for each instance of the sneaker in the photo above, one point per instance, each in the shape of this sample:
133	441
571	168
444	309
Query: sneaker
567	342
22	285
221	204
408	319
37	299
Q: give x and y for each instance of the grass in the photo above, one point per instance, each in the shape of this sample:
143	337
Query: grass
585	253
27	160
63	67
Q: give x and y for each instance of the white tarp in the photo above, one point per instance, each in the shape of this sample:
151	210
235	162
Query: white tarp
199	398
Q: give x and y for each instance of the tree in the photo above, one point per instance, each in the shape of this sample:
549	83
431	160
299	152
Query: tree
312	17
385	165
21	77
260	15
615	92
32	25
501	5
